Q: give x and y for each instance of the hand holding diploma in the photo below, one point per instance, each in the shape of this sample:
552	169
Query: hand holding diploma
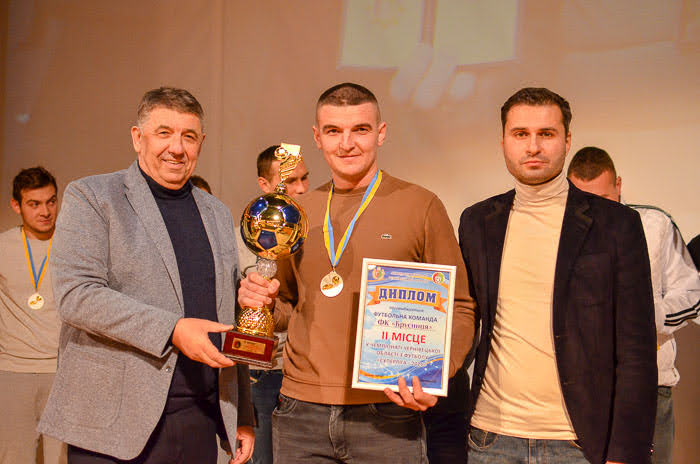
418	400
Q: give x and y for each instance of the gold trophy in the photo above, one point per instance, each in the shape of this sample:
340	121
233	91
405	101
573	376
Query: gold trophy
273	227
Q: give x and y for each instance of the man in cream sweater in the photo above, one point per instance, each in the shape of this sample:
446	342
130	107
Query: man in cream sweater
565	370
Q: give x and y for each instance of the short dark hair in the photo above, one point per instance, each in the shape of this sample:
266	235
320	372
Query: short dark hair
168	97
347	94
30	179
199	182
590	162
537	96
265	159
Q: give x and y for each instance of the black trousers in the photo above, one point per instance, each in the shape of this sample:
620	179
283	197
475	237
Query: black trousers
184	436
446	424
447	438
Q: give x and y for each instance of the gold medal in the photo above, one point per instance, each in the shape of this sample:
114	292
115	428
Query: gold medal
331	284
36	301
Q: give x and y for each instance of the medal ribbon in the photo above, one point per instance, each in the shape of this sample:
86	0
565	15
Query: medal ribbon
328	227
36	278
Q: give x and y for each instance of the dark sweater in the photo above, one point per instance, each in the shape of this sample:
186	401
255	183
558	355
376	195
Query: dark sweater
192	381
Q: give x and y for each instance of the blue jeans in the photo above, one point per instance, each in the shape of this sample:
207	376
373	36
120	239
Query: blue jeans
265	388
365	433
663	429
493	448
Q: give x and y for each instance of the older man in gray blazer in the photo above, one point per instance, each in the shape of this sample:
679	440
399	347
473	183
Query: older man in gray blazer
145	271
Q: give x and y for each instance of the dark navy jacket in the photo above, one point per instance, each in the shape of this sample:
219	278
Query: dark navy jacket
603	321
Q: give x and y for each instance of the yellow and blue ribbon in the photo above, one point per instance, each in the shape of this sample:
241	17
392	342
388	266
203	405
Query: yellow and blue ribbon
328	227
36	277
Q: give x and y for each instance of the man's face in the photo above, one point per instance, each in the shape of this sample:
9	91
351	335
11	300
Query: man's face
168	145
349	137
297	183
605	185
38	209
535	143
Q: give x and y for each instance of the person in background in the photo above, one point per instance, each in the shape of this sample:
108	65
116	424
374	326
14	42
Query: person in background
269	174
674	278
29	324
200	182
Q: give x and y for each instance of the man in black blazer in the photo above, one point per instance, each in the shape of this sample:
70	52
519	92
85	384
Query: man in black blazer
565	368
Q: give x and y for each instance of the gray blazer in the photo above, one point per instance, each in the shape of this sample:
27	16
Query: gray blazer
117	288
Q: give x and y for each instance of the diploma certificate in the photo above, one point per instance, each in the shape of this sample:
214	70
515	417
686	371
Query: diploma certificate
404	325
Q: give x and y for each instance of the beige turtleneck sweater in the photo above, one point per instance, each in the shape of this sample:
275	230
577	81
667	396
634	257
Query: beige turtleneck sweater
521	395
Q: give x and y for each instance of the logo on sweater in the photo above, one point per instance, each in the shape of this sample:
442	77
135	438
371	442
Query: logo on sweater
386	236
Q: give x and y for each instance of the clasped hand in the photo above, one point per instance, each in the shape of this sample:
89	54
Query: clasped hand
256	291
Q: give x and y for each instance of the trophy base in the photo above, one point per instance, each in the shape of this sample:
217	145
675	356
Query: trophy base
254	350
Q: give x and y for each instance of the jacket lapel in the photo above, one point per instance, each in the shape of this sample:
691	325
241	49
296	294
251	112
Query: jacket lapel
495	224
209	221
141	199
575	227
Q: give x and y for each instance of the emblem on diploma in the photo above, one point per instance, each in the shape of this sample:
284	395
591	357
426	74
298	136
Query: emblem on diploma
404	325
273	227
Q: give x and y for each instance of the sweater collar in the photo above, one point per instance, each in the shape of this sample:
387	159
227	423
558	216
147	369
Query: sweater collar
165	193
543	193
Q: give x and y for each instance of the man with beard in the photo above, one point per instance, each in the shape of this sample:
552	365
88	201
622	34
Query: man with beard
565	369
